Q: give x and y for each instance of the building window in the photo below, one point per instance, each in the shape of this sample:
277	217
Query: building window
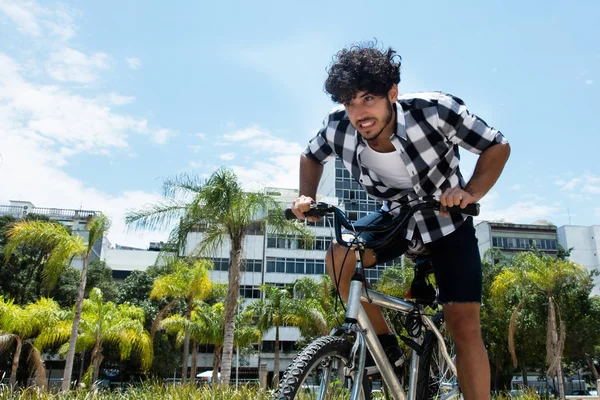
522	243
293	243
249	292
296	266
252	265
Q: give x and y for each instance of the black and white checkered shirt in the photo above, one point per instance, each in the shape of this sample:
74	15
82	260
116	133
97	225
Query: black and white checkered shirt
429	128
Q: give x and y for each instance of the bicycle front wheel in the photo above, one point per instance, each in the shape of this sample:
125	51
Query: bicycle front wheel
435	379
320	372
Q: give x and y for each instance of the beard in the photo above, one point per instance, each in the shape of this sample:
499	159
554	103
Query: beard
388	118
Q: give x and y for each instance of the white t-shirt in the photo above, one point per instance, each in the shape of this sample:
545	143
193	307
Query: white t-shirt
388	166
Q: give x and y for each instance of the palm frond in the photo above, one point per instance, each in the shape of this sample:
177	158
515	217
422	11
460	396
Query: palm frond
53	335
97	227
158	216
212	240
182	185
6	342
38	368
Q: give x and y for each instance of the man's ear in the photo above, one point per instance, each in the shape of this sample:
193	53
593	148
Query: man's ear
393	93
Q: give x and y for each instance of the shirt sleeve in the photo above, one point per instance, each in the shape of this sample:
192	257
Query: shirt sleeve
464	128
318	149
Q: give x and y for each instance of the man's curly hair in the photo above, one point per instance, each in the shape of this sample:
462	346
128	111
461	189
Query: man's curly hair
362	67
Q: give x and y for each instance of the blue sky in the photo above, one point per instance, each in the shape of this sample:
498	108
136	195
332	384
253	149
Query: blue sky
101	100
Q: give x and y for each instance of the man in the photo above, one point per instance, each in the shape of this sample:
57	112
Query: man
401	149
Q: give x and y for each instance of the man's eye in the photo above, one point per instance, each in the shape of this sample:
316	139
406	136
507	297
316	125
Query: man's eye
368	98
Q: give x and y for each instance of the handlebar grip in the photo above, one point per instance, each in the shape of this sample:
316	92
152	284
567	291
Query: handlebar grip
470	209
289	214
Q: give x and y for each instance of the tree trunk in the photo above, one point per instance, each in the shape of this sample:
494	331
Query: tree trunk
15	363
97	358
233	293
592	367
194	370
66	384
276	359
216	362
186	353
524	375
561	382
159	317
81	366
554	349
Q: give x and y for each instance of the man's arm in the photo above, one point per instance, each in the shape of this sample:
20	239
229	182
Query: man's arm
310	176
487	171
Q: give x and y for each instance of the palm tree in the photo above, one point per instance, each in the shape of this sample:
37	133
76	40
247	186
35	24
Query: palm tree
224	211
320	310
20	326
189	282
64	248
206	328
277	309
531	274
106	323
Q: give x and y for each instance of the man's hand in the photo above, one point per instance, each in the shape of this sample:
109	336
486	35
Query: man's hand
302	205
455	197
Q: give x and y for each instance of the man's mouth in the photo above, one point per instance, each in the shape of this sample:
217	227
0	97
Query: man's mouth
367	124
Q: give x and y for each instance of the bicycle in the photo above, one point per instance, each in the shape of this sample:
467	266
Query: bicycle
333	366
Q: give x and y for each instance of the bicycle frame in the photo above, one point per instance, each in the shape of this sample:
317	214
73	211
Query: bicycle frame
356	315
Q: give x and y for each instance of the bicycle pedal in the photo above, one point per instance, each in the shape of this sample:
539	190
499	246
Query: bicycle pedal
413	345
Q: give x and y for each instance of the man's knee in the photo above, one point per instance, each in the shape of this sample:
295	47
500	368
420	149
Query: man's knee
463	322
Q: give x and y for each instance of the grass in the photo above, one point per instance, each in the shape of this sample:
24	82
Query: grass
155	390
158	390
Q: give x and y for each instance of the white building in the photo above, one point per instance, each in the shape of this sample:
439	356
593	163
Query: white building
585	241
512	238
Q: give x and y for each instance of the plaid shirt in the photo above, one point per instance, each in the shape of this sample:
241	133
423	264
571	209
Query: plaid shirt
429	128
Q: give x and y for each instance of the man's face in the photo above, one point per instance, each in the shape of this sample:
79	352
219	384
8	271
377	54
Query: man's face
371	115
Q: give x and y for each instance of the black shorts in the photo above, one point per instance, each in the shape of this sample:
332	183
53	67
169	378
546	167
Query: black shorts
455	259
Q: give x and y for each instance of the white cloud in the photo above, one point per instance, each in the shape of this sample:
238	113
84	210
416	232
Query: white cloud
590	184
278	162
28	172
69	65
33	20
161	136
200	135
67	122
195	149
569	186
521	212
262	140
589	82
133	62
227	156
23	14
118	100
592	189
516	188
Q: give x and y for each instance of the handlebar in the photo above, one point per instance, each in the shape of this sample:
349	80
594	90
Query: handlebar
341	220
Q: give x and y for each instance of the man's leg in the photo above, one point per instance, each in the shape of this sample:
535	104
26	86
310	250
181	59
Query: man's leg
342	273
463	322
